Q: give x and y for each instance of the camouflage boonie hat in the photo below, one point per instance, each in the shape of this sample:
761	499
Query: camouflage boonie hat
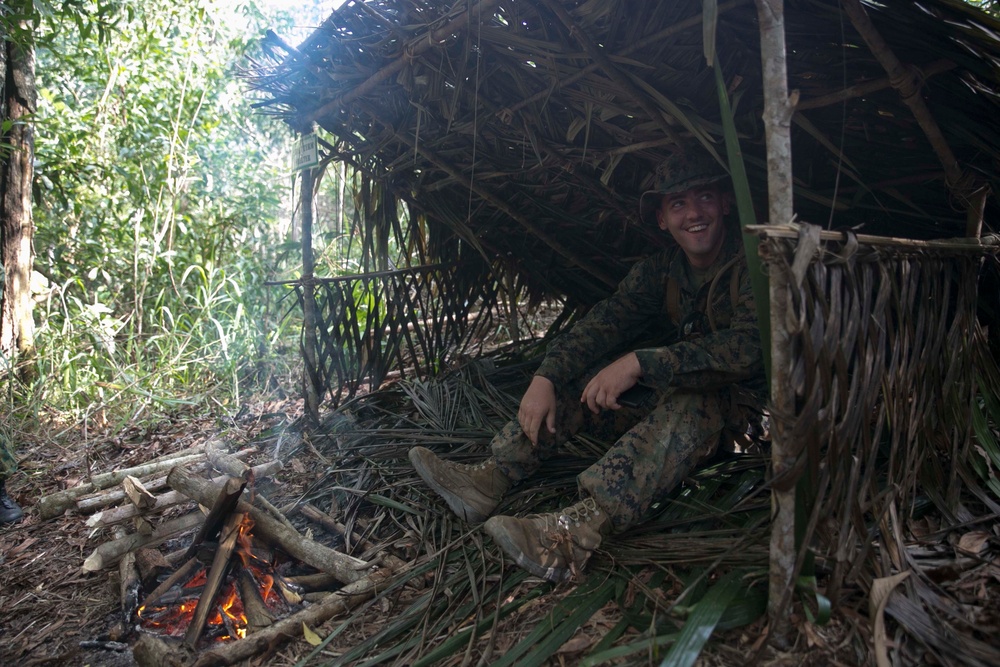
679	172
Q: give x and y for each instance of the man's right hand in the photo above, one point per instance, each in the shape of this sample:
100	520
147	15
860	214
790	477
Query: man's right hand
538	406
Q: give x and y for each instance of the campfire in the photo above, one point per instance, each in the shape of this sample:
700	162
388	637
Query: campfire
243	583
245	598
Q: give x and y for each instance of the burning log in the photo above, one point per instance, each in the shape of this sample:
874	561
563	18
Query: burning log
258	616
230	531
111	552
346	568
227	463
55	504
222	509
137	493
341	602
179	575
151	564
118	514
129	583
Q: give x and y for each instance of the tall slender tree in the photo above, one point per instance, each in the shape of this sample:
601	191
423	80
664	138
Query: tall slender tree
17	60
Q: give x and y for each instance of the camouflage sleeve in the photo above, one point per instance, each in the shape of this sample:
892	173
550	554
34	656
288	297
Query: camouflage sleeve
609	325
714	360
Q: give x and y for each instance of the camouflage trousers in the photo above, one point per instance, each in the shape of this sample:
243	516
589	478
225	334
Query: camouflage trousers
8	464
654	448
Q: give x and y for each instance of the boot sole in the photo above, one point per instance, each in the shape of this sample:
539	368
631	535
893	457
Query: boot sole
454	502
494	528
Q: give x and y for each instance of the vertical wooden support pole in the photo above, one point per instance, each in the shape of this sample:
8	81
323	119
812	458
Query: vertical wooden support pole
778	110
309	342
782	548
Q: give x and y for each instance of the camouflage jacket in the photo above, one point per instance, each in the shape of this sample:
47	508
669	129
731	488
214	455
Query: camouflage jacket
687	354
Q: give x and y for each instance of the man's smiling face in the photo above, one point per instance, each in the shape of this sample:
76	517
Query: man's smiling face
695	219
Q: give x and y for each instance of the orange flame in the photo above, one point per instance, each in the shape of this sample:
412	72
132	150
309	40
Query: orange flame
173	621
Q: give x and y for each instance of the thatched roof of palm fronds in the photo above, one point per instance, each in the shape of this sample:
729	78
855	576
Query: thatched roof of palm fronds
522	132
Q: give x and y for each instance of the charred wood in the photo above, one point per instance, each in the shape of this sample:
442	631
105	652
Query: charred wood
129	582
340	602
220	512
220	565
344	567
257	613
151	564
179	575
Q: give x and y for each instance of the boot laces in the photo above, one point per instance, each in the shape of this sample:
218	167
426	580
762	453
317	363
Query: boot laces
581	512
472	467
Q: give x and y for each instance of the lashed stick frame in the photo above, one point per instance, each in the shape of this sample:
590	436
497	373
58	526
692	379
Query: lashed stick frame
875	343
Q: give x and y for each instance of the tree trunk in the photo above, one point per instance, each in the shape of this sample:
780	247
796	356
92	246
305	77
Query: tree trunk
17	330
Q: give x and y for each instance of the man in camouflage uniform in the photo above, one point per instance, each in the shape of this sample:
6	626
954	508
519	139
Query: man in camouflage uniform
701	373
10	511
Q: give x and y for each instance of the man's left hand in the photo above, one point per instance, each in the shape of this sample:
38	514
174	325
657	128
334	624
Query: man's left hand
603	390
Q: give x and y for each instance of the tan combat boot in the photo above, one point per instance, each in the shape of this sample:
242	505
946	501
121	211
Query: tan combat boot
553	546
471	491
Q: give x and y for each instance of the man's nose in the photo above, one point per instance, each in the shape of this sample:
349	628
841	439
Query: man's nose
695	210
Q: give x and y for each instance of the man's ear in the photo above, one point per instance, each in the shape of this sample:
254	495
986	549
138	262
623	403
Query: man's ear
661	218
